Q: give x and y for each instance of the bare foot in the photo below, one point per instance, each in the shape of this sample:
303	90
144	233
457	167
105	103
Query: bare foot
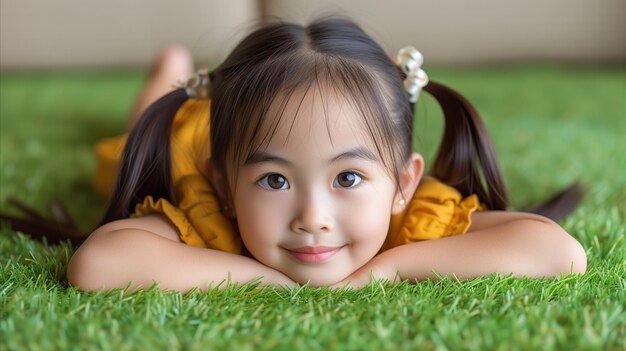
173	64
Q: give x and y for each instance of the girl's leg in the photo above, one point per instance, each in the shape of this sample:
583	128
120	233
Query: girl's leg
173	64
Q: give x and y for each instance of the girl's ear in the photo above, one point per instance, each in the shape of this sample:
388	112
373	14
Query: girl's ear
219	184
409	179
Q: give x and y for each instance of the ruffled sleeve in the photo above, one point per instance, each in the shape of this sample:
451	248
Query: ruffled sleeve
436	210
195	209
198	216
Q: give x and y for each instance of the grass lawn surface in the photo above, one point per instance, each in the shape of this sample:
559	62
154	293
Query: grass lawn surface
551	125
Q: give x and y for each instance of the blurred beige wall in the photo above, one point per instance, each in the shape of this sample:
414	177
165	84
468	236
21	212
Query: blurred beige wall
89	33
477	31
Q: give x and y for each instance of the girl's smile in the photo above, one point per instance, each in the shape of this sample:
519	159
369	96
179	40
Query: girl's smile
314	254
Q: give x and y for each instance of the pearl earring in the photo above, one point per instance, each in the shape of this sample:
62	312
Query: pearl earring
402	202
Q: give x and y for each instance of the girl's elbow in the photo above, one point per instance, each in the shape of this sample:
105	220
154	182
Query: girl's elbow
570	257
80	270
77	274
86	268
555	251
575	258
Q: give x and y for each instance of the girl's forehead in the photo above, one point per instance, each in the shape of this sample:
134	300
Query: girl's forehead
314	117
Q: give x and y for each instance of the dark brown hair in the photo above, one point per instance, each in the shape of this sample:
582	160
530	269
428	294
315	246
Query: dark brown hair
282	57
278	58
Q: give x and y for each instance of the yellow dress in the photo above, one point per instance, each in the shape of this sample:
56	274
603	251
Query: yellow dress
435	211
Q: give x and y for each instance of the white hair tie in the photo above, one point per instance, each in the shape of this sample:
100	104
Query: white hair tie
410	61
197	87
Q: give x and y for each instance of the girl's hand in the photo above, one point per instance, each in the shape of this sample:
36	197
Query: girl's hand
379	267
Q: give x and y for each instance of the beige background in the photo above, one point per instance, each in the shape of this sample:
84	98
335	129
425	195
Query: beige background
78	34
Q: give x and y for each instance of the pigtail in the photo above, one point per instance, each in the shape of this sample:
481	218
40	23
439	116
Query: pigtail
145	164
144	170
466	150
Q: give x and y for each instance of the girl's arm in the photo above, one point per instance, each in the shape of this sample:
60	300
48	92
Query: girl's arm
503	242
147	249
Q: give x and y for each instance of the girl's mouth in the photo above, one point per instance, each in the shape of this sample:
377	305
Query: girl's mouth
314	254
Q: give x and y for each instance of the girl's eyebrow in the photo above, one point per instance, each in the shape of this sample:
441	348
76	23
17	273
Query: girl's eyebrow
358	153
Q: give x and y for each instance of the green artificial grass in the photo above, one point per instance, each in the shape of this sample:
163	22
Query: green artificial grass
551	126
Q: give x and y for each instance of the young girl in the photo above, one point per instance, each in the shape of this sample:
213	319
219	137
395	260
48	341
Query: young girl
292	161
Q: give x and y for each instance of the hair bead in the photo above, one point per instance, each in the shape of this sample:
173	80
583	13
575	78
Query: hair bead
410	61
197	87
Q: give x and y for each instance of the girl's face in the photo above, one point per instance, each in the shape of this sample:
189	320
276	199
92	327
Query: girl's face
311	208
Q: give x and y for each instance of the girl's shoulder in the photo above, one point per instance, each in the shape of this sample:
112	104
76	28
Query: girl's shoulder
190	146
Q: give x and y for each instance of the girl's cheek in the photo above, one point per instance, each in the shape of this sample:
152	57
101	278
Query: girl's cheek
249	213
372	224
368	222
259	217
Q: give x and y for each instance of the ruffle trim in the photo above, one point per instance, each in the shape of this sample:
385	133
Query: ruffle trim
437	218
187	232
436	210
211	230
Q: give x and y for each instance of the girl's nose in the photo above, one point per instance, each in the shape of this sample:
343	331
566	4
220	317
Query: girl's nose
313	217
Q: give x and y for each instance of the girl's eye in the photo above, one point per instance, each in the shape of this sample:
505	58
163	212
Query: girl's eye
274	181
347	180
